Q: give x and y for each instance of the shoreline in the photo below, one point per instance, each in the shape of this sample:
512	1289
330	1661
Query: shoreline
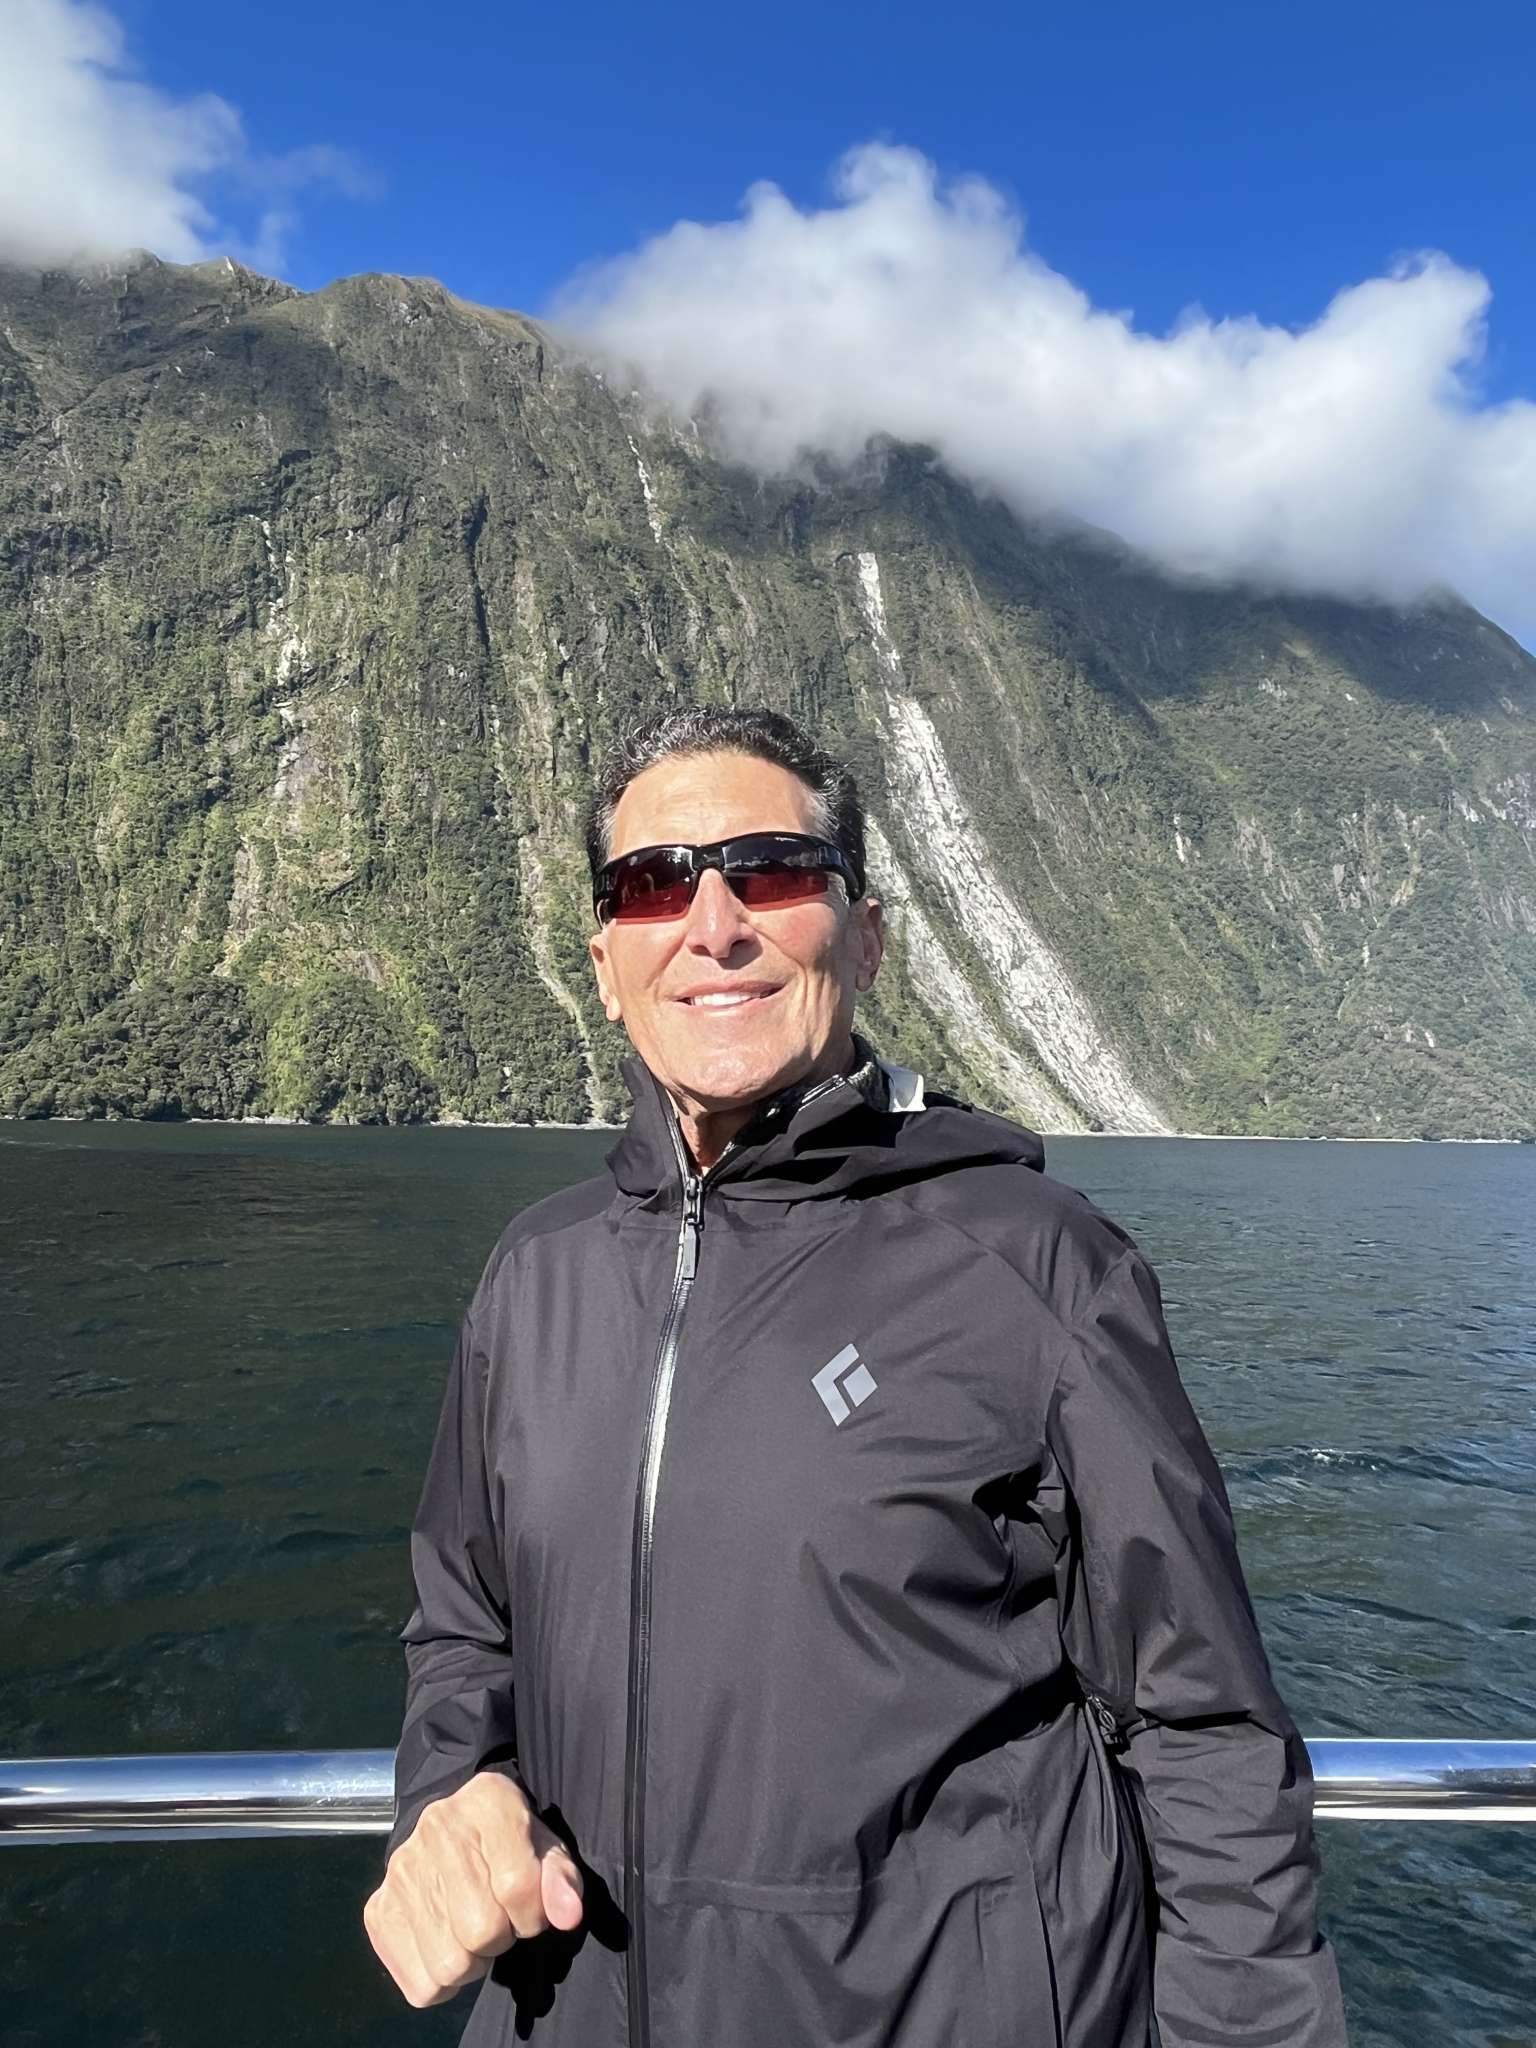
466	1124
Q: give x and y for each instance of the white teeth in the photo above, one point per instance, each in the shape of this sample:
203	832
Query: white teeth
719	1002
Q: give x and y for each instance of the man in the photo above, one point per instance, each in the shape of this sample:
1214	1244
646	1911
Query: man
828	1626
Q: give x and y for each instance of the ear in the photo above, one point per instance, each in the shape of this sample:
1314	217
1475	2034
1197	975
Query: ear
613	1009
869	928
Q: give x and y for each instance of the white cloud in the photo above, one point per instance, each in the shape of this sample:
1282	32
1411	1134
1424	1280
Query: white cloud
1353	456
94	160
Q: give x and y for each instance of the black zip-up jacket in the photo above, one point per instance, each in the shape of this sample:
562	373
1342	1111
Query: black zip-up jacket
829	1549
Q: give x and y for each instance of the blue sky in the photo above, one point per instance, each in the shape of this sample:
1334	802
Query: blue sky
1251	158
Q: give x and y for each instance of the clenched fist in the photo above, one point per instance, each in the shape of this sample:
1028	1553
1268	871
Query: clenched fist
479	1871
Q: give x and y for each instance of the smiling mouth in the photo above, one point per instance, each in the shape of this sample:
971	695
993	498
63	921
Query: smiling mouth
732	999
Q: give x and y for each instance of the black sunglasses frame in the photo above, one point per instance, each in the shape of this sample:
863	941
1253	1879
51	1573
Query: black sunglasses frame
746	853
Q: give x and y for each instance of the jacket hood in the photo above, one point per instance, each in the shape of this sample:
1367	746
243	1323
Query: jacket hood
846	1136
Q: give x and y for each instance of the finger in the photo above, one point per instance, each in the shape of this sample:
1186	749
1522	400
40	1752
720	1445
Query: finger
516	1883
448	1963
479	1923
559	1879
562	1891
393	1935
449	1968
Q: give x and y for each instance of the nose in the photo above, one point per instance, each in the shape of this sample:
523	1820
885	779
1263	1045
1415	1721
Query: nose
717	922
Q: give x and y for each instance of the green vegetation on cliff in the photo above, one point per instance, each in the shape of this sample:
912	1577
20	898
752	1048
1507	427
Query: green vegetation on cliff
314	608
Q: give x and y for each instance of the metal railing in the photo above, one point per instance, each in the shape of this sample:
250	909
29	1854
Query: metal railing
215	1797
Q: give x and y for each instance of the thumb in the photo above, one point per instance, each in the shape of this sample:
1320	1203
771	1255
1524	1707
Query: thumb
560	1882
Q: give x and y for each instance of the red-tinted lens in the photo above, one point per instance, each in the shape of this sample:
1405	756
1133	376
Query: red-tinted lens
775	884
657	887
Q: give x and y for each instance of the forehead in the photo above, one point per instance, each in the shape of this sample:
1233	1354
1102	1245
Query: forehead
701	797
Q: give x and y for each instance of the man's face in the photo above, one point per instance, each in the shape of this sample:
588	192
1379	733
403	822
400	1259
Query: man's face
790	974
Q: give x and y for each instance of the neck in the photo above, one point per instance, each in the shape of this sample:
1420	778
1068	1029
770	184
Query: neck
708	1132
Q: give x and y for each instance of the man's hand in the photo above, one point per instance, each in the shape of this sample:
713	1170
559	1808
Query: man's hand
479	1871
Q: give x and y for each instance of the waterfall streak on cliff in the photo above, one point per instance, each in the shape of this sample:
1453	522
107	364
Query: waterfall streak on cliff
944	989
1032	980
653	517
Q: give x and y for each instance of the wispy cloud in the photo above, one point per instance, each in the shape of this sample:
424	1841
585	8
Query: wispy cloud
1353	456
95	159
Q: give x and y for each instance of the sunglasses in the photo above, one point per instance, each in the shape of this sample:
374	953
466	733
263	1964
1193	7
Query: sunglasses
764	870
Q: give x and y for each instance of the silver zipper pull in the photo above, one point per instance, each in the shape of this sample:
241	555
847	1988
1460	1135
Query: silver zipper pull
693	1223
1112	1733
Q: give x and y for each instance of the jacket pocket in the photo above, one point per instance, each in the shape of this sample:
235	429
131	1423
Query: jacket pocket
1016	1967
918	1958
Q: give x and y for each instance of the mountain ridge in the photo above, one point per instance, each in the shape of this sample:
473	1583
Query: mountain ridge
315	608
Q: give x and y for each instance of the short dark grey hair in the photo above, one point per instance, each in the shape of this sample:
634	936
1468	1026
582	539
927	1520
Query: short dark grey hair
724	729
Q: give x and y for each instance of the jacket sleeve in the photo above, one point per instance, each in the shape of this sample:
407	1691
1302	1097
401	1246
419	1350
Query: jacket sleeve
459	1714
1157	1621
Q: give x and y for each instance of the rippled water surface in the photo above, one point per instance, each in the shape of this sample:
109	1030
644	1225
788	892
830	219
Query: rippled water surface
221	1352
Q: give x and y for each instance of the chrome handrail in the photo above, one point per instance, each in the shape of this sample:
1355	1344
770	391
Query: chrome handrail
209	1796
221	1796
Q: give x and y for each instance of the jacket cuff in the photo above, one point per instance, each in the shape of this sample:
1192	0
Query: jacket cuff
1204	2000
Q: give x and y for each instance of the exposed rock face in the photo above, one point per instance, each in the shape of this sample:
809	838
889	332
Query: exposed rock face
314	608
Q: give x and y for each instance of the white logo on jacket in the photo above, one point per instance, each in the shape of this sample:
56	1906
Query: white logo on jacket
858	1383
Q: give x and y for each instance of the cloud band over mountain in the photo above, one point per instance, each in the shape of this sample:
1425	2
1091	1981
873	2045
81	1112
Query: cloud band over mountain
1352	457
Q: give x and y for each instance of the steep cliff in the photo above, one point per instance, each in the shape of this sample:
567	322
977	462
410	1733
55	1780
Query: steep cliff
313	609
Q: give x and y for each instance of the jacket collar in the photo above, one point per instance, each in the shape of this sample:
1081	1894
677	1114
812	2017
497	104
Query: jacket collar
870	1127
646	1158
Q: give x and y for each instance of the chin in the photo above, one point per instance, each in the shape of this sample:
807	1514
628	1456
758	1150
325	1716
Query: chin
735	1082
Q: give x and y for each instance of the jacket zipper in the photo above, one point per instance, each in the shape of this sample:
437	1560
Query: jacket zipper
1118	1726
637	1734
640	1600
1110	1731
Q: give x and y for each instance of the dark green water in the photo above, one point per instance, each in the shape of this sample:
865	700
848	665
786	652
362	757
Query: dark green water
221	1352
